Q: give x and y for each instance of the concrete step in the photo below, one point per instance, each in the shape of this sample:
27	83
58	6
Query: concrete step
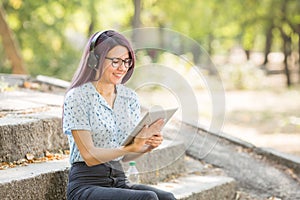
48	180
162	163
30	122
201	181
195	187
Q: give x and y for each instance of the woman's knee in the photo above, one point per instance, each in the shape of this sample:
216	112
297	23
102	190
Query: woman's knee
168	196
150	195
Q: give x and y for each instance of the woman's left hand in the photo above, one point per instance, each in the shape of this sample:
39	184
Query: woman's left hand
150	144
154	141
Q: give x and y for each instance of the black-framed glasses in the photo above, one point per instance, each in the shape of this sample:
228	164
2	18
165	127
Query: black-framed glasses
117	62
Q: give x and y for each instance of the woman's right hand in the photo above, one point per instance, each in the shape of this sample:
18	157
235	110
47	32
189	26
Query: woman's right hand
138	144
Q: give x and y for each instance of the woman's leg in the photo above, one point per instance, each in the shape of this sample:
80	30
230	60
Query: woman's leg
106	182
104	193
162	195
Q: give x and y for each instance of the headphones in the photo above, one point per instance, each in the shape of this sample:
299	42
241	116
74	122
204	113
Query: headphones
93	59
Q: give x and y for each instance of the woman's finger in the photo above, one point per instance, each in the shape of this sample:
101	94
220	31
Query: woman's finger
155	141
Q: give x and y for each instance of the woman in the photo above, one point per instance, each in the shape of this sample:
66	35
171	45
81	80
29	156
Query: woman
99	113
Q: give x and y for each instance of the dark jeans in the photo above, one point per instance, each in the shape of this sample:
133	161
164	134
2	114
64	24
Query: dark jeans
108	181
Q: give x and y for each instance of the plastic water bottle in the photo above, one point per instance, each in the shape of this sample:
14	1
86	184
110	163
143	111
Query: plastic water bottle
133	173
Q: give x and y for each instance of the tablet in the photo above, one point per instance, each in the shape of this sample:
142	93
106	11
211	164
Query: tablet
149	118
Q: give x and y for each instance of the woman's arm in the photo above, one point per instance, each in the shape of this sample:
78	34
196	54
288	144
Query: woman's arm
90	154
94	156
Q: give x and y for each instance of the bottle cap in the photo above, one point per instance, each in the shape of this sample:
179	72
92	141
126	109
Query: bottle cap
132	163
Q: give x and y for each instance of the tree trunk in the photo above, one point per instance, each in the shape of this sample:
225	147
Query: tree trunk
11	47
287	52
136	21
287	41
269	38
93	15
299	55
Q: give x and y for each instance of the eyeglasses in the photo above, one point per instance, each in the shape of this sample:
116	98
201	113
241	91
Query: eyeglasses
117	62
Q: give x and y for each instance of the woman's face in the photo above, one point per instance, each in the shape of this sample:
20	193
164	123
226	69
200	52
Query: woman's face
110	74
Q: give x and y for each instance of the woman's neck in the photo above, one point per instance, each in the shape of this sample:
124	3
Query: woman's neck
105	89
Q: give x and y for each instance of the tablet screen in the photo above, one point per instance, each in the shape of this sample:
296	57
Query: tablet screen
148	119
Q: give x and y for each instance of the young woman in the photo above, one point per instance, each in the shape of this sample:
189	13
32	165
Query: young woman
99	113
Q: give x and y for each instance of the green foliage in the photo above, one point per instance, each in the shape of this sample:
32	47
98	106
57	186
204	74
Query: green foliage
51	34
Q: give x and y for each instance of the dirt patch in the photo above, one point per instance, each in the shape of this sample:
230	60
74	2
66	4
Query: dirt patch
265	118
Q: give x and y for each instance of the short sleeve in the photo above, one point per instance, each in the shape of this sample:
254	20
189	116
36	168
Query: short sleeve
75	112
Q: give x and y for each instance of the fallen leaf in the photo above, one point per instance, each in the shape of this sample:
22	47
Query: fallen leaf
29	156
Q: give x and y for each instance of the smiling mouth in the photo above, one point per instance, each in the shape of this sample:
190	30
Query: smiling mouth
119	75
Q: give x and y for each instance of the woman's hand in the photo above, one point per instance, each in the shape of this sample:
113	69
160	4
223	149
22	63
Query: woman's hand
155	140
148	138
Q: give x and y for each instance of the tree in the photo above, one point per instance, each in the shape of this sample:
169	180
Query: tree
292	18
11	46
51	34
136	20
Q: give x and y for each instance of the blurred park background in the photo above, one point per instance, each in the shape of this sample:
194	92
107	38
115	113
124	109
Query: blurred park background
254	45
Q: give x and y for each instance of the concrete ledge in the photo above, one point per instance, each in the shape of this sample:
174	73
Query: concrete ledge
162	163
257	173
30	122
48	180
201	188
23	100
222	135
36	181
32	133
285	159
281	158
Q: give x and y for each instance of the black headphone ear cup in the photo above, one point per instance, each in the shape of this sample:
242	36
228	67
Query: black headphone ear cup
92	60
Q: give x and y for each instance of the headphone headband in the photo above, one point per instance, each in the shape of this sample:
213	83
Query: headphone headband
93	58
94	40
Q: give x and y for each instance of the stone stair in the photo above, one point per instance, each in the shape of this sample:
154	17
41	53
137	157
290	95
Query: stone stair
200	187
47	180
30	123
